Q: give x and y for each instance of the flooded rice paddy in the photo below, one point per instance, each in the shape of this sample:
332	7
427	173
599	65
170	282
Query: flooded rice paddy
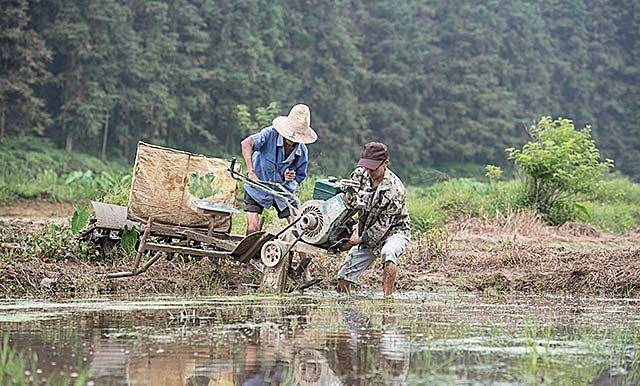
329	340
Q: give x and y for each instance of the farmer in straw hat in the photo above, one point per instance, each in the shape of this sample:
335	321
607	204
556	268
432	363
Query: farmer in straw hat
277	154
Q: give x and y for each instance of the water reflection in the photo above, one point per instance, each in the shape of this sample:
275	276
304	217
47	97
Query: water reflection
326	341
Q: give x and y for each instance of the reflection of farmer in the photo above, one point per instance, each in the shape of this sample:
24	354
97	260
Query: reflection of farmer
311	368
395	351
366	348
277	154
267	341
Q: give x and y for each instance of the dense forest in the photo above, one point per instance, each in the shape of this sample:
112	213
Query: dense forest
439	81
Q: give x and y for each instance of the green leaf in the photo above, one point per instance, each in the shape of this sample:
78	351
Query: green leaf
79	220
582	209
129	239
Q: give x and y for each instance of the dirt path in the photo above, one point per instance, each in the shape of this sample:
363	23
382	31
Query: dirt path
37	209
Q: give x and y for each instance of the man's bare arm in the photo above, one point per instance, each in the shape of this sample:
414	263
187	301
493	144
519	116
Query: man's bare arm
247	151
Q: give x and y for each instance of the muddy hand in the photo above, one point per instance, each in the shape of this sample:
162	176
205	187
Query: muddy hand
353	241
289	175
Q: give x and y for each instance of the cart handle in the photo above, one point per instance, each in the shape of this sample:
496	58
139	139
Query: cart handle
266	186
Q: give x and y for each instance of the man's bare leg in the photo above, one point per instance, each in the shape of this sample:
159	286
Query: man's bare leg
253	222
388	278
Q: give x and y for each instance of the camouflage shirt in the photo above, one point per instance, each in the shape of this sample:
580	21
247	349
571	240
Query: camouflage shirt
385	213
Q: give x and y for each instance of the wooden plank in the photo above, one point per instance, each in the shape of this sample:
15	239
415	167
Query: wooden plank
176	231
185	250
143	241
226	242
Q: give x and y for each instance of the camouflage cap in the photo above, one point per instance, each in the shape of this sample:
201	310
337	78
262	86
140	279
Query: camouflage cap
373	155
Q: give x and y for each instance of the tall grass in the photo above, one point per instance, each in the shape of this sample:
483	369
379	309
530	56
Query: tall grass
615	207
433	206
33	168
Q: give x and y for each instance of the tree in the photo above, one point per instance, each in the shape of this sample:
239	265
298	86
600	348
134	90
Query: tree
249	124
558	164
23	60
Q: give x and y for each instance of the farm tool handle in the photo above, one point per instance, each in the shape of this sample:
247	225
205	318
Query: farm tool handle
265	186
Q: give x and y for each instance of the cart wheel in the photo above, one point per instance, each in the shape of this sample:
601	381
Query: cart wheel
271	253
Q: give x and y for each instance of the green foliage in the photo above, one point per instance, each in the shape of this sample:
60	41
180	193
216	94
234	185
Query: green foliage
87	184
128	239
618	190
559	163
24	57
201	186
262	118
35	169
119	193
494	173
79	220
615	207
437	204
439	82
57	242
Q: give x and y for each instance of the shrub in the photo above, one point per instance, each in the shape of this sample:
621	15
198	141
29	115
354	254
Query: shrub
559	164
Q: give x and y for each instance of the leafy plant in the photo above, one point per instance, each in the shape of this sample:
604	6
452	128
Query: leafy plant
118	193
494	173
129	239
79	220
201	186
559	164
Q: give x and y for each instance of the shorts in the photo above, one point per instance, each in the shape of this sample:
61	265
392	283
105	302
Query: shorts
360	257
250	205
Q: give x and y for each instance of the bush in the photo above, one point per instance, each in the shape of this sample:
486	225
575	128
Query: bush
559	164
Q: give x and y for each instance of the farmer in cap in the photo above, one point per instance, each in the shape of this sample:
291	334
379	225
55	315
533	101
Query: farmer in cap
277	154
383	225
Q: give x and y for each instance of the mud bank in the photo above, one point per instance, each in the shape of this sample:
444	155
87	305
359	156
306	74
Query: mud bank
508	254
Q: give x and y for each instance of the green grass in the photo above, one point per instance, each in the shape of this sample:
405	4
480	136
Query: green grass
33	168
433	206
615	206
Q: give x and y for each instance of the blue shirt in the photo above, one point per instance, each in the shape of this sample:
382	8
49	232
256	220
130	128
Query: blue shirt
270	164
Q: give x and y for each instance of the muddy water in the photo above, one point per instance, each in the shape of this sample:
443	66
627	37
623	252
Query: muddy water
330	340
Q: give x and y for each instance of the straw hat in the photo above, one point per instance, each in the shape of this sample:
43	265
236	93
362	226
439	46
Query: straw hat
295	127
